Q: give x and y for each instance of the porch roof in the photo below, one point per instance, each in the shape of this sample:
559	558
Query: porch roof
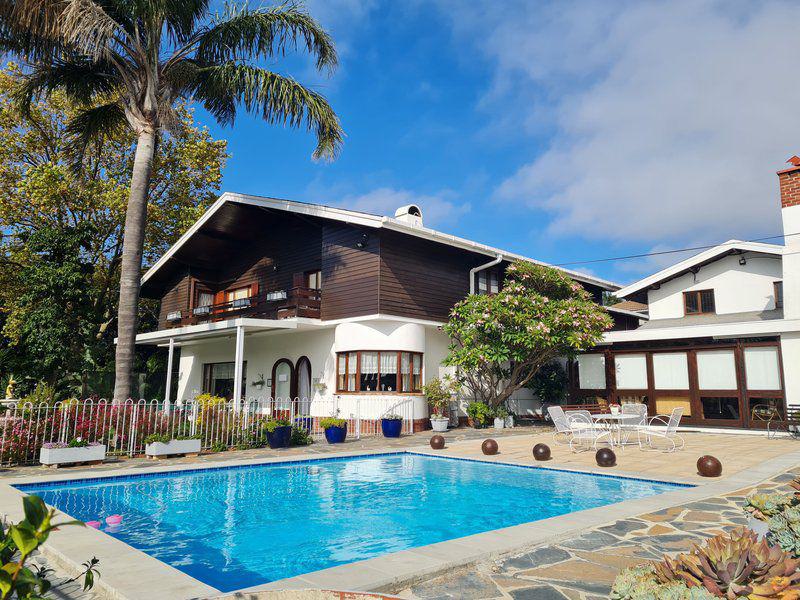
211	330
754	327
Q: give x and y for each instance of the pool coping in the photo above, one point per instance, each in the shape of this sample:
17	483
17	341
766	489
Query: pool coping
128	573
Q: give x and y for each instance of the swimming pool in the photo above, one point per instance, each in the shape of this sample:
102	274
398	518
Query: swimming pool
235	527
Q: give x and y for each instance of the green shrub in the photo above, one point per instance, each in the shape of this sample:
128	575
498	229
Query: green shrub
480	413
20	541
438	392
329	422
301	437
272	424
157	438
392	417
219	447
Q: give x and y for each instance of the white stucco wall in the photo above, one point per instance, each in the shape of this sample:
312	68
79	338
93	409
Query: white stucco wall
790	342
737	288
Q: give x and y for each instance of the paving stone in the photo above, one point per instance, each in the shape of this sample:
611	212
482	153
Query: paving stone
667	514
542	556
469	586
624	527
702	516
605	558
595	588
590	541
542	592
660	530
569	570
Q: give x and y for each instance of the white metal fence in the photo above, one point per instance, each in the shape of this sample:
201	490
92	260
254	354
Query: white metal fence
123	426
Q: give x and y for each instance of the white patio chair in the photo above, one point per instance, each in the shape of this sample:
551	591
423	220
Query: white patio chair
638	418
662	426
586	433
560	423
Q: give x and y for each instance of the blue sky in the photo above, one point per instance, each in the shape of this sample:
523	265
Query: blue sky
565	132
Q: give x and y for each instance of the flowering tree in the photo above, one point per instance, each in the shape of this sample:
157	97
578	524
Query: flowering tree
499	342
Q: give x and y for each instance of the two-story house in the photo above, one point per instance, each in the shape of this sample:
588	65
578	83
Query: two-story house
723	335
271	298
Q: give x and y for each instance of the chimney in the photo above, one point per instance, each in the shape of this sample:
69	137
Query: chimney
789	182
411	214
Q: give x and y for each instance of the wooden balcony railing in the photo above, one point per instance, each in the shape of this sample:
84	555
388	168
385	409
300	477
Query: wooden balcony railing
274	304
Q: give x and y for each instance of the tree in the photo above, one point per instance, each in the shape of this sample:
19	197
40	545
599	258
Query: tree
131	62
499	342
40	191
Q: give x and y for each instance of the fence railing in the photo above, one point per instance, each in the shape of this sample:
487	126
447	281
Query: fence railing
124	426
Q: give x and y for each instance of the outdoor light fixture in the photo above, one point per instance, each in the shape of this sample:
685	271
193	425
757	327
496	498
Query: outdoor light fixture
363	241
742	260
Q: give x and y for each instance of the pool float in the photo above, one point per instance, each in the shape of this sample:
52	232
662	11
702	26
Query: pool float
114	520
93	524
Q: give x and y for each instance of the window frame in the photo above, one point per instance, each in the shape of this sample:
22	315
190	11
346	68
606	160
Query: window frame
701	308
490	278
317	274
398	388
778	297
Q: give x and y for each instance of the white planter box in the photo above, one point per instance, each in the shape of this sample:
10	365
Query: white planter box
499	423
63	456
440	424
172	447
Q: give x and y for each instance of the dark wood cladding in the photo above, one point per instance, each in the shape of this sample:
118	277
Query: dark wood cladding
350	275
175	298
423	279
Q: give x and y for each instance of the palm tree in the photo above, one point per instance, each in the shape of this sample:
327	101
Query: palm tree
131	61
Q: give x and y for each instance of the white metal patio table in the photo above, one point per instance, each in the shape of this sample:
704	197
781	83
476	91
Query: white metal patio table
614	422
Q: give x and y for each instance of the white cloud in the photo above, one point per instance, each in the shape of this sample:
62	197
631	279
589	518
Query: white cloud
437	209
666	119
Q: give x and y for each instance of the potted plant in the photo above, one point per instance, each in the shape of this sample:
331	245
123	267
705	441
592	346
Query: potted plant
479	414
77	450
438	393
279	433
162	444
500	416
335	429
391	426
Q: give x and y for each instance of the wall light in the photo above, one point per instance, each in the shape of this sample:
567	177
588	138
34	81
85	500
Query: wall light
742	261
363	241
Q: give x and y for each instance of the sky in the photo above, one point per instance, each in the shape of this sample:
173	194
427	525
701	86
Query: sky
564	131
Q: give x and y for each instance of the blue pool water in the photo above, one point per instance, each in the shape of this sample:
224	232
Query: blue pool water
237	527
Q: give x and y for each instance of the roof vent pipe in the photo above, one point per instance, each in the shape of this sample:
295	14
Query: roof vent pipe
472	272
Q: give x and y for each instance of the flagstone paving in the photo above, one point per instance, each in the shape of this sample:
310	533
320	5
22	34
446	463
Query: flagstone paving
583	567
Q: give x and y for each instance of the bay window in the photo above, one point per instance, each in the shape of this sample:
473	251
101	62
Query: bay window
385	371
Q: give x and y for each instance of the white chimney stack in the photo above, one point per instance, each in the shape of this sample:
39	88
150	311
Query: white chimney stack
410	213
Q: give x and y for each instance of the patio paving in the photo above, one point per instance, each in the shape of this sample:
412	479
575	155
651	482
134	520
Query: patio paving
583	567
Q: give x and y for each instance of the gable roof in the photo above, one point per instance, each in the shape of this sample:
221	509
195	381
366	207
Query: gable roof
704	258
631	306
359	218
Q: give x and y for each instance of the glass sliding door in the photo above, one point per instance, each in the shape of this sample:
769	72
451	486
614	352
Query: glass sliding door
718	388
671	383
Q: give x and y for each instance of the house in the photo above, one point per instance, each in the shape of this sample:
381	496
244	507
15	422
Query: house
268	298
723	336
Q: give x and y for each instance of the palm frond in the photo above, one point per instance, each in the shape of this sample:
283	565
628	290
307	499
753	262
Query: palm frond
275	98
181	17
29	28
87	26
80	79
244	33
95	124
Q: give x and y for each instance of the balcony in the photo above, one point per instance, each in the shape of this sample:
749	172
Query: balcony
274	304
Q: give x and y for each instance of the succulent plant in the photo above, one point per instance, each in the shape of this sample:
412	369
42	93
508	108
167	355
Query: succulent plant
641	583
766	506
733	565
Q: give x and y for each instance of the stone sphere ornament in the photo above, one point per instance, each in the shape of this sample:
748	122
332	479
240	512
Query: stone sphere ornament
709	466
605	457
489	447
541	452
437	442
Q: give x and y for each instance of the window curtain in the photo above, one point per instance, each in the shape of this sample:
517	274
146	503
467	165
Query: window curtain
369	363
416	383
388	363
351	371
671	371
716	370
222	371
592	371
761	368
631	371
405	371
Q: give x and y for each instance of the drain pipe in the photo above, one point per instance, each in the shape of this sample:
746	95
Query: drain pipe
472	272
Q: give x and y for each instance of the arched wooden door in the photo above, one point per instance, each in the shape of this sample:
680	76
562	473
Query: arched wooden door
282	387
303	385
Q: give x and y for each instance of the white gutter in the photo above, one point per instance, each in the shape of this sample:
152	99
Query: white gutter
472	272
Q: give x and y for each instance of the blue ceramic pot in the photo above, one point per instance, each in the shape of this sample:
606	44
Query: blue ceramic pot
391	427
336	435
281	437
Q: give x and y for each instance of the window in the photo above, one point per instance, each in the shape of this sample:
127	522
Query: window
716	370
670	371
382	372
699	302
761	368
205	299
314	280
778	291
724	408
488	282
239	297
631	371
592	371
218	379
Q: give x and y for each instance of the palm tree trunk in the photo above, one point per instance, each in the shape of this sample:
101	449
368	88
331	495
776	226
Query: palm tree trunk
131	272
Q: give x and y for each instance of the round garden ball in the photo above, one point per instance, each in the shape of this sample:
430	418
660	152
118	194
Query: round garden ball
489	447
709	466
541	452
437	442
605	457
